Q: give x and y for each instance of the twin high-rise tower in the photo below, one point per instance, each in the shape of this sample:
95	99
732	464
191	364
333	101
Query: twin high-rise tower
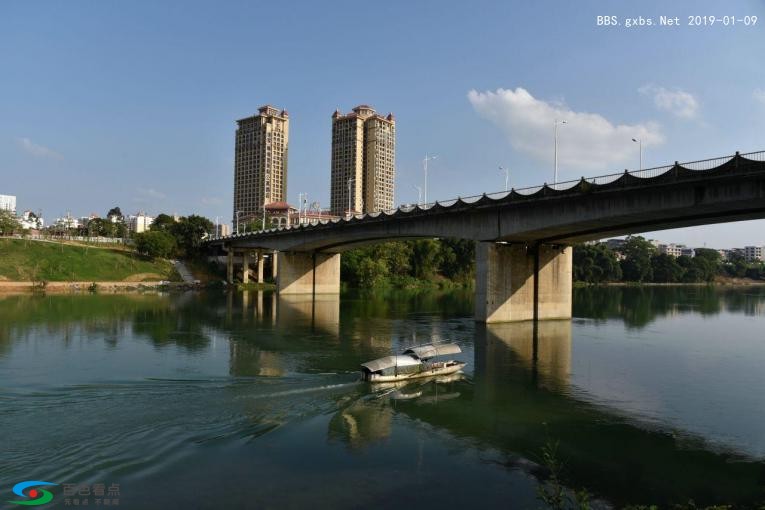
362	171
260	162
363	161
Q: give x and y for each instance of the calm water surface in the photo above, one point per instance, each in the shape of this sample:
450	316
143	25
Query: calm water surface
248	400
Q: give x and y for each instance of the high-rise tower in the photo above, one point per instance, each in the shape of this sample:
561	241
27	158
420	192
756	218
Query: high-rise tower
260	162
363	161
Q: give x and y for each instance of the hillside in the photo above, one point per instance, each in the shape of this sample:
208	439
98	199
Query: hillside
49	261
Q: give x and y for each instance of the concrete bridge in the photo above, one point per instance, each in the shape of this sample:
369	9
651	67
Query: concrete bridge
523	237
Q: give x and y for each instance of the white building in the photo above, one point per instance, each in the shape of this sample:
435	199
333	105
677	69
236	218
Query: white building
139	222
222	230
687	252
29	220
67	222
754	253
671	249
8	203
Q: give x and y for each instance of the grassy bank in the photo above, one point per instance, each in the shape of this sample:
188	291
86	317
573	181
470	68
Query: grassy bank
44	261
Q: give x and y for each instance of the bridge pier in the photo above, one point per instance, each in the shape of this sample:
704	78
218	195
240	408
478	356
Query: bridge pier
518	283
245	267
230	265
308	273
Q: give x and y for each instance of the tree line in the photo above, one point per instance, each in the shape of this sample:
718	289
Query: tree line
168	238
639	261
410	263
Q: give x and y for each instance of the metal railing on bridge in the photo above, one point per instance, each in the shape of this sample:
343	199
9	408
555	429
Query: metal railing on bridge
646	173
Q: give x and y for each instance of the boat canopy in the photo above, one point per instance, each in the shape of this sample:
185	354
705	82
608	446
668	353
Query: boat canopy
390	362
433	350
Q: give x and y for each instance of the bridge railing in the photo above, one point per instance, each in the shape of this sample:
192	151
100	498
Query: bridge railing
646	173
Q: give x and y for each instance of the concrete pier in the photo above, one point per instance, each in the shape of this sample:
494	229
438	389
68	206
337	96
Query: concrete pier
515	282
308	273
246	267
260	266
230	265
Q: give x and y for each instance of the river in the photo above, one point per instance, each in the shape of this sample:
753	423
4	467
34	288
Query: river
247	400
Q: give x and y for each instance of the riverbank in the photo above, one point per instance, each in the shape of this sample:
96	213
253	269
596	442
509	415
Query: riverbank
719	282
7	287
38	262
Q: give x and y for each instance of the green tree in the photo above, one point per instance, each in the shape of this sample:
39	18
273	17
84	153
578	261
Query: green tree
596	263
736	265
8	223
189	232
114	212
99	227
163	222
425	258
155	244
666	269
457	259
636	266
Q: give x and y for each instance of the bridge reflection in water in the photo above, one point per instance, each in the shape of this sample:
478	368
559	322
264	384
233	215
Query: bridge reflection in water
519	399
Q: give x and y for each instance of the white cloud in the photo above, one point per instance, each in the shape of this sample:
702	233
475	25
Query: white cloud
677	102
36	150
587	142
759	95
211	201
151	193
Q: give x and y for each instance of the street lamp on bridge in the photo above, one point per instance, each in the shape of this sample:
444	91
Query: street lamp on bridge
507	176
419	193
350	181
640	142
425	168
555	135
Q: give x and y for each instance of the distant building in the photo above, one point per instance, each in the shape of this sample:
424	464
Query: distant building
754	253
29	220
687	252
615	244
222	230
260	162
673	250
278	214
139	223
363	161
67	222
8	203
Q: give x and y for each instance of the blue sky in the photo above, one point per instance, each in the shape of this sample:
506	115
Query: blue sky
134	103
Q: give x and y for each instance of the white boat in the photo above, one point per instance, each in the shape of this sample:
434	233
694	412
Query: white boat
413	363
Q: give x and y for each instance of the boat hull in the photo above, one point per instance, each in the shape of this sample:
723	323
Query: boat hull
449	368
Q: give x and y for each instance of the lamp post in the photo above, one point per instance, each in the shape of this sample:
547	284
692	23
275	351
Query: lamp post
266	181
639	141
237	221
425	168
419	193
555	132
507	176
350	181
